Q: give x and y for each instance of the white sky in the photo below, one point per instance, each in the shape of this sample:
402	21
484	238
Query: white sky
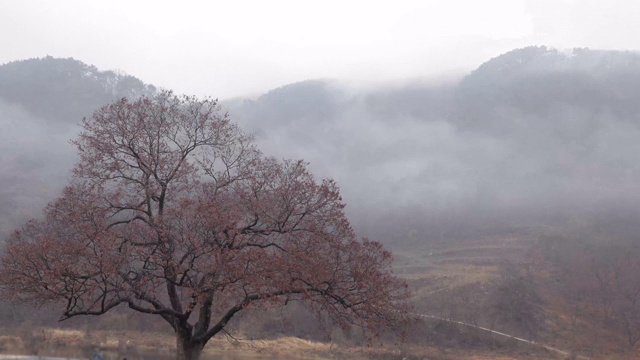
238	47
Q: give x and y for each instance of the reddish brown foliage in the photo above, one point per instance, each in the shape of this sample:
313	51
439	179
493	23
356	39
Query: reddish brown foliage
174	212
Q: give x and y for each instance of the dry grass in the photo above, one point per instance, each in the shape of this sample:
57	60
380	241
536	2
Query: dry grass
137	345
428	270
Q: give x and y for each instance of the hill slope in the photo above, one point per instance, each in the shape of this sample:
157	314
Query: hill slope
42	101
531	137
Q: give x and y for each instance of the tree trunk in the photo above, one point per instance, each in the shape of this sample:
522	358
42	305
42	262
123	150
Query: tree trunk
187	349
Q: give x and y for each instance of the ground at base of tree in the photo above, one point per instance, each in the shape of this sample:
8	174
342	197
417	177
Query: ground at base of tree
136	345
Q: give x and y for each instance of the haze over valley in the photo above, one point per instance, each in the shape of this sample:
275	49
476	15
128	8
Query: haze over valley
533	137
508	195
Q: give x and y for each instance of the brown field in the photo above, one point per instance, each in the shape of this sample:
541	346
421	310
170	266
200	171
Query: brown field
462	281
118	345
459	282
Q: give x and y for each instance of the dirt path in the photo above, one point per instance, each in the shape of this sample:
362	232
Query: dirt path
526	341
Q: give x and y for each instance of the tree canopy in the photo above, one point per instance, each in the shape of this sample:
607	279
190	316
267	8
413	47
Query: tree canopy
172	211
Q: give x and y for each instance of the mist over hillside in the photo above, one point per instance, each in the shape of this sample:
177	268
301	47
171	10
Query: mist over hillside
42	103
535	137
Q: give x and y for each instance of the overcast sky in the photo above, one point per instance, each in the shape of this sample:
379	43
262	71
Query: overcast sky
232	48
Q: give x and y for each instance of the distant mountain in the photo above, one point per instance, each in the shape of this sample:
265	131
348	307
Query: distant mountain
64	90
534	136
42	101
539	80
531	136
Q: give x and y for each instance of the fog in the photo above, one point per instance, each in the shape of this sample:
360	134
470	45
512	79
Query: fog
42	103
35	159
248	47
533	136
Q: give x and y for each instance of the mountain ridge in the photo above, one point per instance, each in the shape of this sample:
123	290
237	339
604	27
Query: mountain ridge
538	142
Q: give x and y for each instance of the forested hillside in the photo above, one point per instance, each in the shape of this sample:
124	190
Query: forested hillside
531	138
42	101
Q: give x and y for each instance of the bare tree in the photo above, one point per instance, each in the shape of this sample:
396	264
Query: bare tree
173	212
